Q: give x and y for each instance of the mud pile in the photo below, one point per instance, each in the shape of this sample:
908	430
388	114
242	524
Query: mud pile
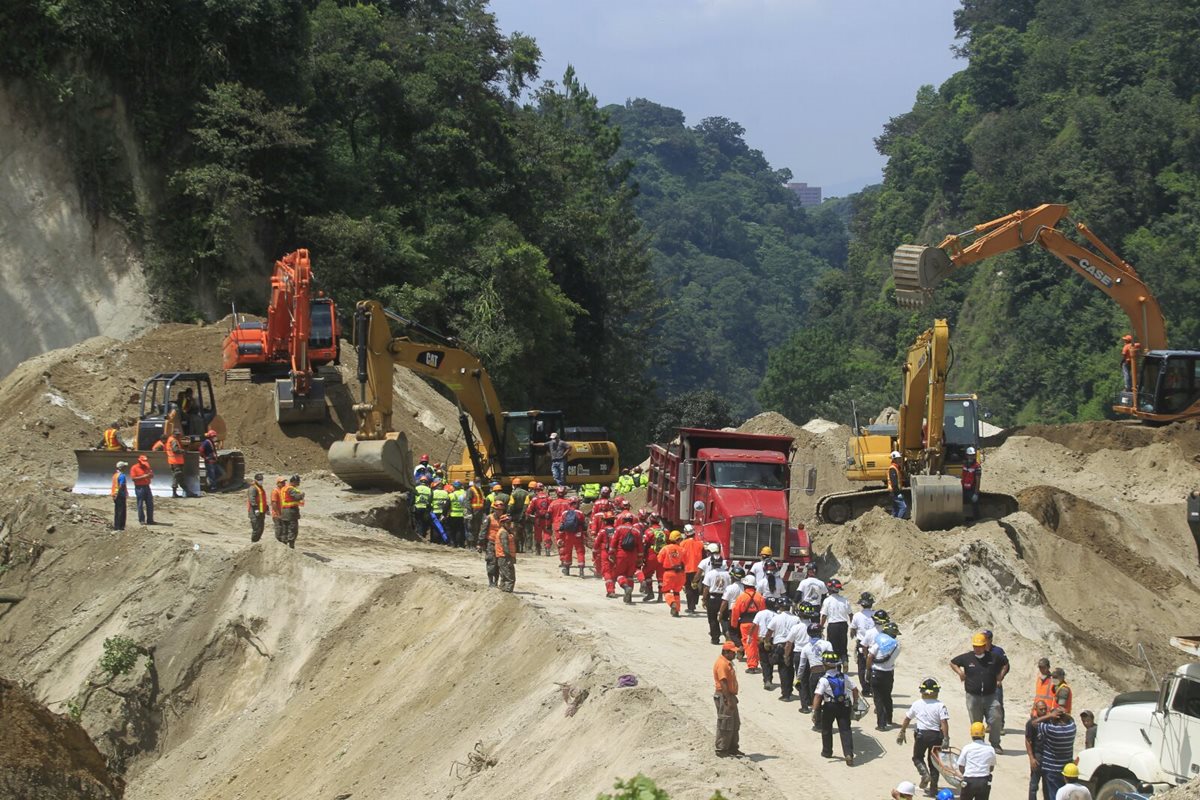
820	453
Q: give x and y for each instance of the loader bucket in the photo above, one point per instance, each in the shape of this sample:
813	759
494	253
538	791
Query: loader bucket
379	464
916	270
936	501
95	468
291	408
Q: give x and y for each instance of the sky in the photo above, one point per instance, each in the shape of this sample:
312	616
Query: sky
811	81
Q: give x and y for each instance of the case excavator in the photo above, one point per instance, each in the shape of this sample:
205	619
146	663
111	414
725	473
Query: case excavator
1167	388
299	337
932	434
510	444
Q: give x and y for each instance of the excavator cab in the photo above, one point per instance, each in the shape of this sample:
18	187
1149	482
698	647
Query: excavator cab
960	429
1168	386
522	431
177	398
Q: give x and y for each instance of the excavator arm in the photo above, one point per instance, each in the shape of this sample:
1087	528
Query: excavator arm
920	435
918	269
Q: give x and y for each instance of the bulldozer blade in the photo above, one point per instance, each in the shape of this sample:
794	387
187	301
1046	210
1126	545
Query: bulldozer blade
95	468
379	464
916	270
291	408
936	502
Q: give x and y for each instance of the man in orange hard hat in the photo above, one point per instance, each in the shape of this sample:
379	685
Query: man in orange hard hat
493	524
671	558
257	507
175	458
277	509
212	468
506	554
1128	360
725	697
142	474
290	501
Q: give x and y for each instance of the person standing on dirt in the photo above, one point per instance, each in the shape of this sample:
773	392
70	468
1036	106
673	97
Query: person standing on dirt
976	762
290	501
653	540
518	505
882	655
1128	360
712	589
741	616
478	509
779	633
812	590
1043	685
256	507
558	451
456	516
982	673
1032	746
725	697
486	543
860	624
422	505
624	553
439	508
834	699
931	719
793	653
693	553
212	468
1056	748
175	458
835	619
762	623
671	558
813	668
895	484
277	508
571	527
558	507
1061	690
120	495
972	474
423	470
506	554
142	475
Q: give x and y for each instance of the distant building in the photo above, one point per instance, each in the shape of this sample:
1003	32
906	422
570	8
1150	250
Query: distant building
808	195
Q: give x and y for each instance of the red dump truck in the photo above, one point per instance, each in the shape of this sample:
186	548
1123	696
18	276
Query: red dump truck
734	488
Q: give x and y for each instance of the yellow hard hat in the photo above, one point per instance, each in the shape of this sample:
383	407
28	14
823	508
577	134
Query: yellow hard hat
978	729
766	551
675	536
1070	770
979	640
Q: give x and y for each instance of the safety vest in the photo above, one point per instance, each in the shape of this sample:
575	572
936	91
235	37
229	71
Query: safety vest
624	484
112	441
893	478
970	476
1064	706
456	503
258	500
642	480
475	498
590	491
175	452
505	537
141	474
118	485
1044	690
440	498
422	496
276	500
291	497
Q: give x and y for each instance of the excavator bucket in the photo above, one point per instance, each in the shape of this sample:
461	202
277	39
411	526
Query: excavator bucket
292	408
916	270
378	464
936	501
95	468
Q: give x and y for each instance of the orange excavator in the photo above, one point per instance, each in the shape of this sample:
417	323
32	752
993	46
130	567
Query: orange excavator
299	336
1168	383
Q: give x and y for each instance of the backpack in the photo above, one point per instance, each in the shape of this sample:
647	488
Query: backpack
572	521
629	541
886	644
837	687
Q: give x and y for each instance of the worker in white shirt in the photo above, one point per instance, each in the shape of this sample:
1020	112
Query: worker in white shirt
814	667
711	549
1072	789
975	762
732	592
835	619
882	653
713	585
931	719
770	583
834	700
777	636
757	569
860	623
793	650
767	656
812	589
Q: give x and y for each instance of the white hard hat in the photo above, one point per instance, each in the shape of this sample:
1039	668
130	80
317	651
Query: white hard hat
895	454
713	547
906	787
554	436
970	451
688	530
748	580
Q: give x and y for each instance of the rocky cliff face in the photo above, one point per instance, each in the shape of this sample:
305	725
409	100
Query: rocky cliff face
66	273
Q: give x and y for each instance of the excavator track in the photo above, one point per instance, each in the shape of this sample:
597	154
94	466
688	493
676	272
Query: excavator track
842	507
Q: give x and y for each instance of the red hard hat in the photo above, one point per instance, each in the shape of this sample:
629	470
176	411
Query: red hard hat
210	435
425	457
562	490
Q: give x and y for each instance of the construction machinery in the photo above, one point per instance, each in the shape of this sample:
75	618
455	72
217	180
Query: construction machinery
299	336
932	434
1168	382
170	401
502	445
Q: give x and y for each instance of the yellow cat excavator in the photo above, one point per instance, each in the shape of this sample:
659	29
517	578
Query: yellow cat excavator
1168	384
932	434
510	444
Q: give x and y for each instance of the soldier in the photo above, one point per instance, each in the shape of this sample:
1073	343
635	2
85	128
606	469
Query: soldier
256	506
290	500
456	517
422	502
518	506
486	543
277	509
506	554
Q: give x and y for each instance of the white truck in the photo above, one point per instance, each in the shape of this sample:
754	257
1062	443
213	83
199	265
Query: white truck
1148	741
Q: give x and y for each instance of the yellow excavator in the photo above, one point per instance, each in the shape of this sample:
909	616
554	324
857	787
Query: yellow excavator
1167	388
510	444
932	434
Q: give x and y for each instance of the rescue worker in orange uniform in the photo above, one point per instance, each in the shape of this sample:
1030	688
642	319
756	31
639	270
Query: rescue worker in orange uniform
671	558
142	475
175	457
652	570
601	507
290	501
277	508
601	561
539	512
112	439
571	527
558	507
506	554
624	553
693	552
741	616
486	543
256	507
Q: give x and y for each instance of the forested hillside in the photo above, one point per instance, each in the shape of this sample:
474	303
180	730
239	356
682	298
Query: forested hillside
1092	103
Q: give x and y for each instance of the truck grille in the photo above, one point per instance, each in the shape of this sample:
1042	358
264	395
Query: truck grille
749	535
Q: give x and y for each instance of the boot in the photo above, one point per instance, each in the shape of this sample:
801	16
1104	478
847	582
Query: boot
924	773
647	593
566	569
611	595
674	611
581	571
660	597
629	593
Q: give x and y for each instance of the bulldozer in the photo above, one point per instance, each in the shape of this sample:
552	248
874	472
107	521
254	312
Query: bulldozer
932	434
510	444
167	405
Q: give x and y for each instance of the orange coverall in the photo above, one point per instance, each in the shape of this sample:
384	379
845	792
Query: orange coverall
741	616
671	558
